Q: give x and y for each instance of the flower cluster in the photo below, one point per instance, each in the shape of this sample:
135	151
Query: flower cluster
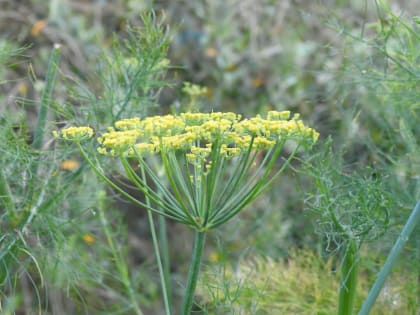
197	134
200	189
200	186
75	133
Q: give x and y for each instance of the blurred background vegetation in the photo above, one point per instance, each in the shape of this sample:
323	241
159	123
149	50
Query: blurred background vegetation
350	68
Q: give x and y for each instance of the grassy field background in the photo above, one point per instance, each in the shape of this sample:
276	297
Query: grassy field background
350	68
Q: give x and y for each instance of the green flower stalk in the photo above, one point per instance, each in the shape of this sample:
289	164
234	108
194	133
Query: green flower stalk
215	164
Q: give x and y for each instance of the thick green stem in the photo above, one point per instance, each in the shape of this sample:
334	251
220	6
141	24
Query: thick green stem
412	221
199	240
348	282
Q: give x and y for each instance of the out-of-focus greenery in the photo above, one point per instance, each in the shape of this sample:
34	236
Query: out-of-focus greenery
63	248
350	67
304	283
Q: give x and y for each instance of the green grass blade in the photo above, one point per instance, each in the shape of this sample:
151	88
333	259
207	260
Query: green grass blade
41	122
411	223
46	97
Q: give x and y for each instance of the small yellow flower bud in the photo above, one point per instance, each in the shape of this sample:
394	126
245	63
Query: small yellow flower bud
76	133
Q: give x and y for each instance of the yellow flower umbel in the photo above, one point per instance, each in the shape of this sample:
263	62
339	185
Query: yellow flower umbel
210	164
74	133
209	159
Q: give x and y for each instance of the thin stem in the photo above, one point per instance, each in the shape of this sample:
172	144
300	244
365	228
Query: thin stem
116	187
119	261
168	198
6	198
164	248
163	280
248	192
242	167
348	283
324	191
165	204
199	240
411	223
170	168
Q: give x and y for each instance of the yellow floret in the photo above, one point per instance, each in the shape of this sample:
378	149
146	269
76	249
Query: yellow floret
262	143
192	158
201	152
243	142
162	125
143	149
197	134
128	123
102	150
194	119
77	133
251	126
119	139
275	115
